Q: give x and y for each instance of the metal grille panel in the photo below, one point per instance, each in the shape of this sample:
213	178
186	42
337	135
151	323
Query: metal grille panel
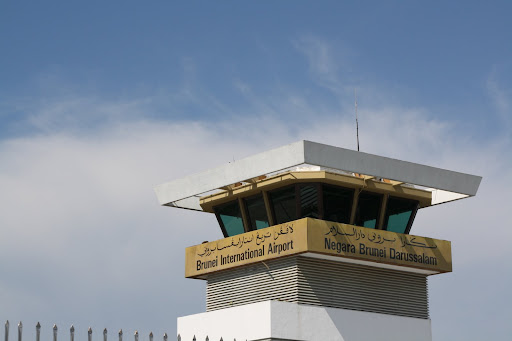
321	282
351	286
272	280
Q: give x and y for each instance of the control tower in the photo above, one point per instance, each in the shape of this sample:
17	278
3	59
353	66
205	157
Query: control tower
317	245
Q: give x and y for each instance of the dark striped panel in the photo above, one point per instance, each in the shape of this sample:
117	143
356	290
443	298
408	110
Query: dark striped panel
357	287
271	280
321	282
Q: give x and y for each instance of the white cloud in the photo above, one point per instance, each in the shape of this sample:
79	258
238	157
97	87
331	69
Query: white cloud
500	95
84	241
319	55
324	63
83	236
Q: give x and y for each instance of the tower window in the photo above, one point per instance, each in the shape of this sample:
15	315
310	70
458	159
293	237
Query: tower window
230	218
284	204
368	209
309	201
256	212
400	214
337	203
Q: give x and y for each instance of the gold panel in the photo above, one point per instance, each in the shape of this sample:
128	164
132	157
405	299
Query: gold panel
321	237
255	246
379	246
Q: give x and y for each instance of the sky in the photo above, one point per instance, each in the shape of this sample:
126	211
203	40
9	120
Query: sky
101	101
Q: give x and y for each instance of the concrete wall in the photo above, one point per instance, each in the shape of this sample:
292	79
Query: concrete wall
272	320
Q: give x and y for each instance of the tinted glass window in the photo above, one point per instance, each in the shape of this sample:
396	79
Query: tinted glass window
337	203
231	218
368	208
257	214
284	205
309	201
398	213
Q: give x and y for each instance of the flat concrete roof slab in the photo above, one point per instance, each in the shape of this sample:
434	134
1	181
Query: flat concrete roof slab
185	192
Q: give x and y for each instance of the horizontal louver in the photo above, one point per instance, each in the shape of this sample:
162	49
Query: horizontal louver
321	282
253	283
357	287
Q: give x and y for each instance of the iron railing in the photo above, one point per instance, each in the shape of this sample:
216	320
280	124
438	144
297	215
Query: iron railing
89	334
71	333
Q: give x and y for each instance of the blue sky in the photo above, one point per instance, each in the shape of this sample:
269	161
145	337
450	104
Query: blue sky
439	55
101	101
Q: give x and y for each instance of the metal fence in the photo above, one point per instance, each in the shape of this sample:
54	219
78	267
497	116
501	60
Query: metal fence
206	339
71	333
89	334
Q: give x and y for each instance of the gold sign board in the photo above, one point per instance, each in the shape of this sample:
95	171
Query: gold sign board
321	237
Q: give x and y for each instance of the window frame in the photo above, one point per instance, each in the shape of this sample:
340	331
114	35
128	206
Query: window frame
247	213
352	201
270	213
411	217
320	199
271	201
379	212
219	219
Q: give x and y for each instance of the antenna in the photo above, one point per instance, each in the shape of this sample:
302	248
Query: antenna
357	123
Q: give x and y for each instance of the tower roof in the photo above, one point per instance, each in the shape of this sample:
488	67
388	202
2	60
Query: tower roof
445	185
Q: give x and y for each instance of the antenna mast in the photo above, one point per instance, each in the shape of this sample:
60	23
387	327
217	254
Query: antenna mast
357	123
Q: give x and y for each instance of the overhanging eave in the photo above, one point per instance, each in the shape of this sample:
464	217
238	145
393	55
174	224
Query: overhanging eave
184	193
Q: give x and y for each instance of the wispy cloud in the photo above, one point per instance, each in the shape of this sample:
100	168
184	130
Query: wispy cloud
319	55
501	96
81	222
84	239
325	67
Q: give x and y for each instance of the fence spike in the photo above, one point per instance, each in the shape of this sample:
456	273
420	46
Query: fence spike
221	339
7	330
38	331
72	333
194	339
105	334
120	335
20	330
55	329
179	337
136	335
165	337
89	334
207	338
150	336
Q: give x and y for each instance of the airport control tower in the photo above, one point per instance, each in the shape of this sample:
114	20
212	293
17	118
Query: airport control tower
316	246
